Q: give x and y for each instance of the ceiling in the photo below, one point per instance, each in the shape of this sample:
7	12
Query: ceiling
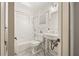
37	7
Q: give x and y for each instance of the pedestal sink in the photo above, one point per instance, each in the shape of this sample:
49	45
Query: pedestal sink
48	37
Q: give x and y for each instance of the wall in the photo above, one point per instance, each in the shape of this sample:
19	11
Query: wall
76	29
47	21
23	24
39	28
53	22
23	28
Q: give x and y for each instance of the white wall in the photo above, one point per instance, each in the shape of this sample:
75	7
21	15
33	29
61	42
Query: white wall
51	22
39	27
23	25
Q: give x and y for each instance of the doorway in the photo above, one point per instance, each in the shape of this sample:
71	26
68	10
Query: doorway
41	26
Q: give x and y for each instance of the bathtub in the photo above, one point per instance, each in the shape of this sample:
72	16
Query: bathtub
25	48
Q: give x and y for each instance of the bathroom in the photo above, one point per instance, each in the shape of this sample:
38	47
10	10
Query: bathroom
34	21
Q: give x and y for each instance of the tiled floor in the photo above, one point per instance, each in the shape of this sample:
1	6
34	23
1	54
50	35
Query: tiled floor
28	52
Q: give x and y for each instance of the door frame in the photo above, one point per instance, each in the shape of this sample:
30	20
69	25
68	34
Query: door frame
3	17
0	28
11	29
71	28
64	28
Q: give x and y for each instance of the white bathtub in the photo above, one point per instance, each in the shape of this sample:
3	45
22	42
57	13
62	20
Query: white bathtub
25	48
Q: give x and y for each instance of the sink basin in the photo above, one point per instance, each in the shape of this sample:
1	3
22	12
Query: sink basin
50	36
